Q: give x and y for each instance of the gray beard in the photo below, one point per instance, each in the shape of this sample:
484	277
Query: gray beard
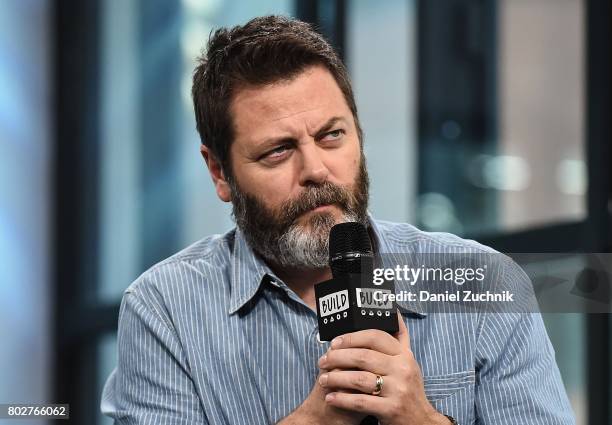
306	249
279	239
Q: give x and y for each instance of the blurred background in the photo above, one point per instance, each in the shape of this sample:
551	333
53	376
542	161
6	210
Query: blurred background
487	119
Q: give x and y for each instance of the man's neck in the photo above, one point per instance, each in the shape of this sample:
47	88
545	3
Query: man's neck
302	282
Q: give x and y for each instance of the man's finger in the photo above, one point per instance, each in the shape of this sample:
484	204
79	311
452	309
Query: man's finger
370	404
402	335
357	380
372	339
356	358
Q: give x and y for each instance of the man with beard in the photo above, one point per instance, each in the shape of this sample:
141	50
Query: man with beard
225	331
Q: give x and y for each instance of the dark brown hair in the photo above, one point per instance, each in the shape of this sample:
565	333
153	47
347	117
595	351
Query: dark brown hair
265	50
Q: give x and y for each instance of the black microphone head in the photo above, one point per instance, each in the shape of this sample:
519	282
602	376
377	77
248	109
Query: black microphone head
347	238
350	249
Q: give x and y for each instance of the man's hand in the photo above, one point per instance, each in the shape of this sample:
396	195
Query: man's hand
363	355
315	410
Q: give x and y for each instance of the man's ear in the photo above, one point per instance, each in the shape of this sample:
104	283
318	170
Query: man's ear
222	187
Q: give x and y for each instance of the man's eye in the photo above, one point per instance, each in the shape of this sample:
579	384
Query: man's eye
333	135
277	152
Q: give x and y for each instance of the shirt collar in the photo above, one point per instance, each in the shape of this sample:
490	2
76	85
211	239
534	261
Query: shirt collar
247	274
249	271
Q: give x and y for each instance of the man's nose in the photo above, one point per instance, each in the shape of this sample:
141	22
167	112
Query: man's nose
314	170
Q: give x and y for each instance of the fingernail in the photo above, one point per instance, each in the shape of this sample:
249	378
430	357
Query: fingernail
323	359
330	397
323	380
336	342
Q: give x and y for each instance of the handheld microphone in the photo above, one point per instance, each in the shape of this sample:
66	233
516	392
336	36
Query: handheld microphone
350	301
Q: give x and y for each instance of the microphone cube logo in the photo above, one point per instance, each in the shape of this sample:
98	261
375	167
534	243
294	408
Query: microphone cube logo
334	305
373	302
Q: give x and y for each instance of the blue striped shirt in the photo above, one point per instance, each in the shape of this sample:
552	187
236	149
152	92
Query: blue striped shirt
212	336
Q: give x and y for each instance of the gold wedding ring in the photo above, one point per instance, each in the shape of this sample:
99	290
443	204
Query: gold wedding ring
379	385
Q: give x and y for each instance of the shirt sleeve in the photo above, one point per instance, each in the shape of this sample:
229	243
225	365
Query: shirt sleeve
151	383
518	381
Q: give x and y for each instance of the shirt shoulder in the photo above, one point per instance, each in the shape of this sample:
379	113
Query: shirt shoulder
400	236
203	263
406	244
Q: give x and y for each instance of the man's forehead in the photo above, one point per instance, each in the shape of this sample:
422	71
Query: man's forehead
314	87
311	98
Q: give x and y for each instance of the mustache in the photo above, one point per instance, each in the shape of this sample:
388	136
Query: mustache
315	196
